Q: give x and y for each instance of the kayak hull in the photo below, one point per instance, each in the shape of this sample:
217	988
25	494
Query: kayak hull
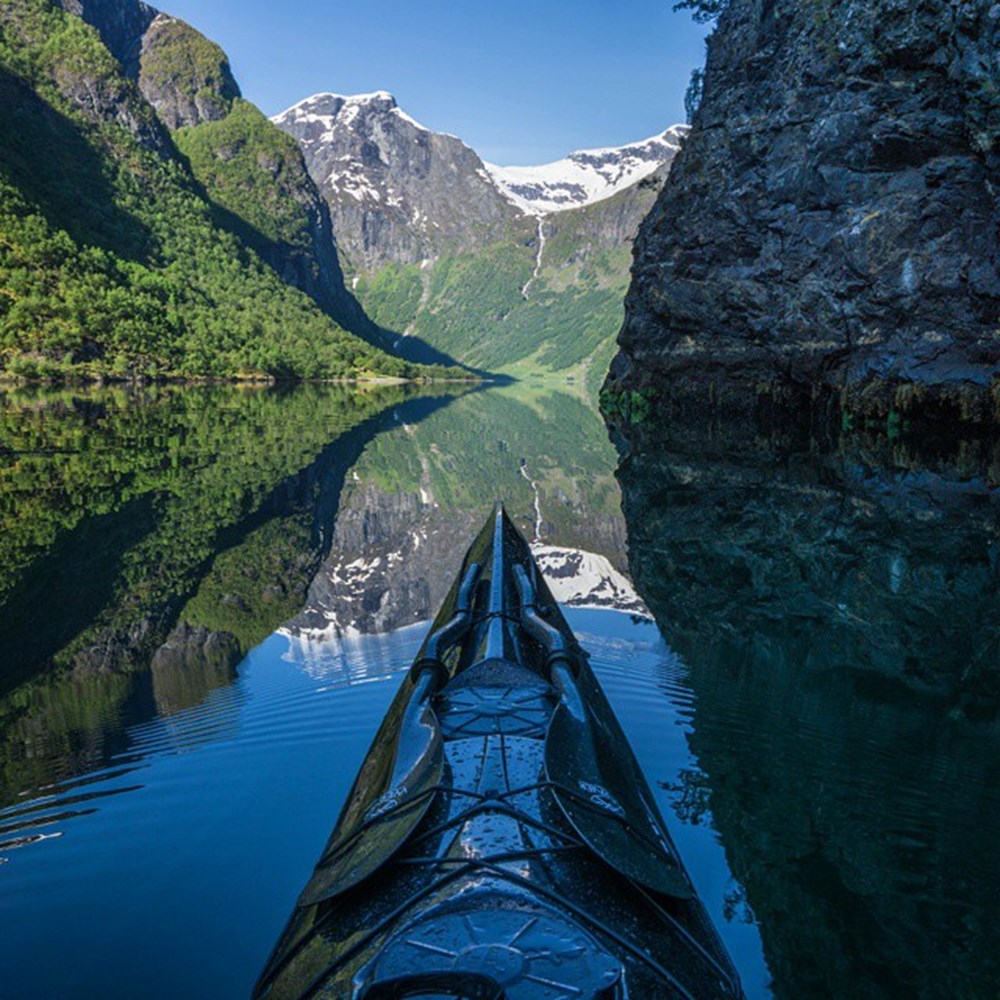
500	840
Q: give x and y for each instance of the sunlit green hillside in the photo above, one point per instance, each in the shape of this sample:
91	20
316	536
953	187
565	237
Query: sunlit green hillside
506	308
112	258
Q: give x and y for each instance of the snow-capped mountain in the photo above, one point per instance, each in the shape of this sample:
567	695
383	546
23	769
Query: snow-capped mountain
456	259
586	176
397	192
400	189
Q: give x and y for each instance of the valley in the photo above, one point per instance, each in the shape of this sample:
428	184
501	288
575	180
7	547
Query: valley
516	270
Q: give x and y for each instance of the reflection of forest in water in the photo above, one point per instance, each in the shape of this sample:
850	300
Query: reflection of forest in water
418	493
838	604
152	536
165	530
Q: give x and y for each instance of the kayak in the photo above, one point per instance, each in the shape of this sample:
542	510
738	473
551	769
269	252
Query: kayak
500	841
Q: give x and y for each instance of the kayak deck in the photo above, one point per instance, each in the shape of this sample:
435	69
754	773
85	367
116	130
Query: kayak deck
473	859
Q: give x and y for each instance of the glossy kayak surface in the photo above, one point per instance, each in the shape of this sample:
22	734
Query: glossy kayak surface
500	841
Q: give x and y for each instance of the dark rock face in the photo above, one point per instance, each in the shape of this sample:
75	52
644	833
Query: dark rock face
112	98
831	222
838	606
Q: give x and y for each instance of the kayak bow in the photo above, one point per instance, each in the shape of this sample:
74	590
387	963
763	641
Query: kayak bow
500	841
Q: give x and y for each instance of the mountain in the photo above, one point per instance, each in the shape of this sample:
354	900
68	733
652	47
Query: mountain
120	254
399	193
831	228
248	166
586	176
516	269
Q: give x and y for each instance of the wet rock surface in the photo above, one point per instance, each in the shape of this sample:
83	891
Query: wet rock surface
831	222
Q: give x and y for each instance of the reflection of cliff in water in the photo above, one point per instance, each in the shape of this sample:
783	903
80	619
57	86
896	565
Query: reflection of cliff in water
420	492
840	610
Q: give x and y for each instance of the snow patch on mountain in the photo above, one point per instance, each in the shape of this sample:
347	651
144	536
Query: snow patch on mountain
323	122
586	176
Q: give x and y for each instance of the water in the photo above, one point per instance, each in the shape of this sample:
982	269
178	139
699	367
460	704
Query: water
838	605
164	792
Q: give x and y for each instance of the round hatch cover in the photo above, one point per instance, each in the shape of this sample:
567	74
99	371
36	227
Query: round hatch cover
530	953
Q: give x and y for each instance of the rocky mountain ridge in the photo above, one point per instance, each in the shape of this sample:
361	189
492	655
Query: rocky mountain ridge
182	74
366	148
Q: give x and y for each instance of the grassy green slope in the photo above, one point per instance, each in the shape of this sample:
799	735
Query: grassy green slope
111	261
475	307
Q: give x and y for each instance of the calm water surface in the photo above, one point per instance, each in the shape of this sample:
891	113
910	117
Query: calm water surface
207	598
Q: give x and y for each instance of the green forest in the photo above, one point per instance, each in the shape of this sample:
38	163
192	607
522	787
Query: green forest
114	262
494	309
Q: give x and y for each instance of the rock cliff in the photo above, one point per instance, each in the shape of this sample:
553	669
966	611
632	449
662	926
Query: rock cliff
184	75
831	225
121	26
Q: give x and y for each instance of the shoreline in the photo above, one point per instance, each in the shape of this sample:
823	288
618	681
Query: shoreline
8	381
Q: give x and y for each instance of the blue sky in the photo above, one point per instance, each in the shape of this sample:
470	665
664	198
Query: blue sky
521	82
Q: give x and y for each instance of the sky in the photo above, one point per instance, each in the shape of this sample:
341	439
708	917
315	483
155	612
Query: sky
521	81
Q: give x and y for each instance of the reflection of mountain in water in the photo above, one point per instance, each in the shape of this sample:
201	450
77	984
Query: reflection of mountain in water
347	660
418	493
586	580
840	610
176	529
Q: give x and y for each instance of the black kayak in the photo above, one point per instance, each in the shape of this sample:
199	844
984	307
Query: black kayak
500	841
